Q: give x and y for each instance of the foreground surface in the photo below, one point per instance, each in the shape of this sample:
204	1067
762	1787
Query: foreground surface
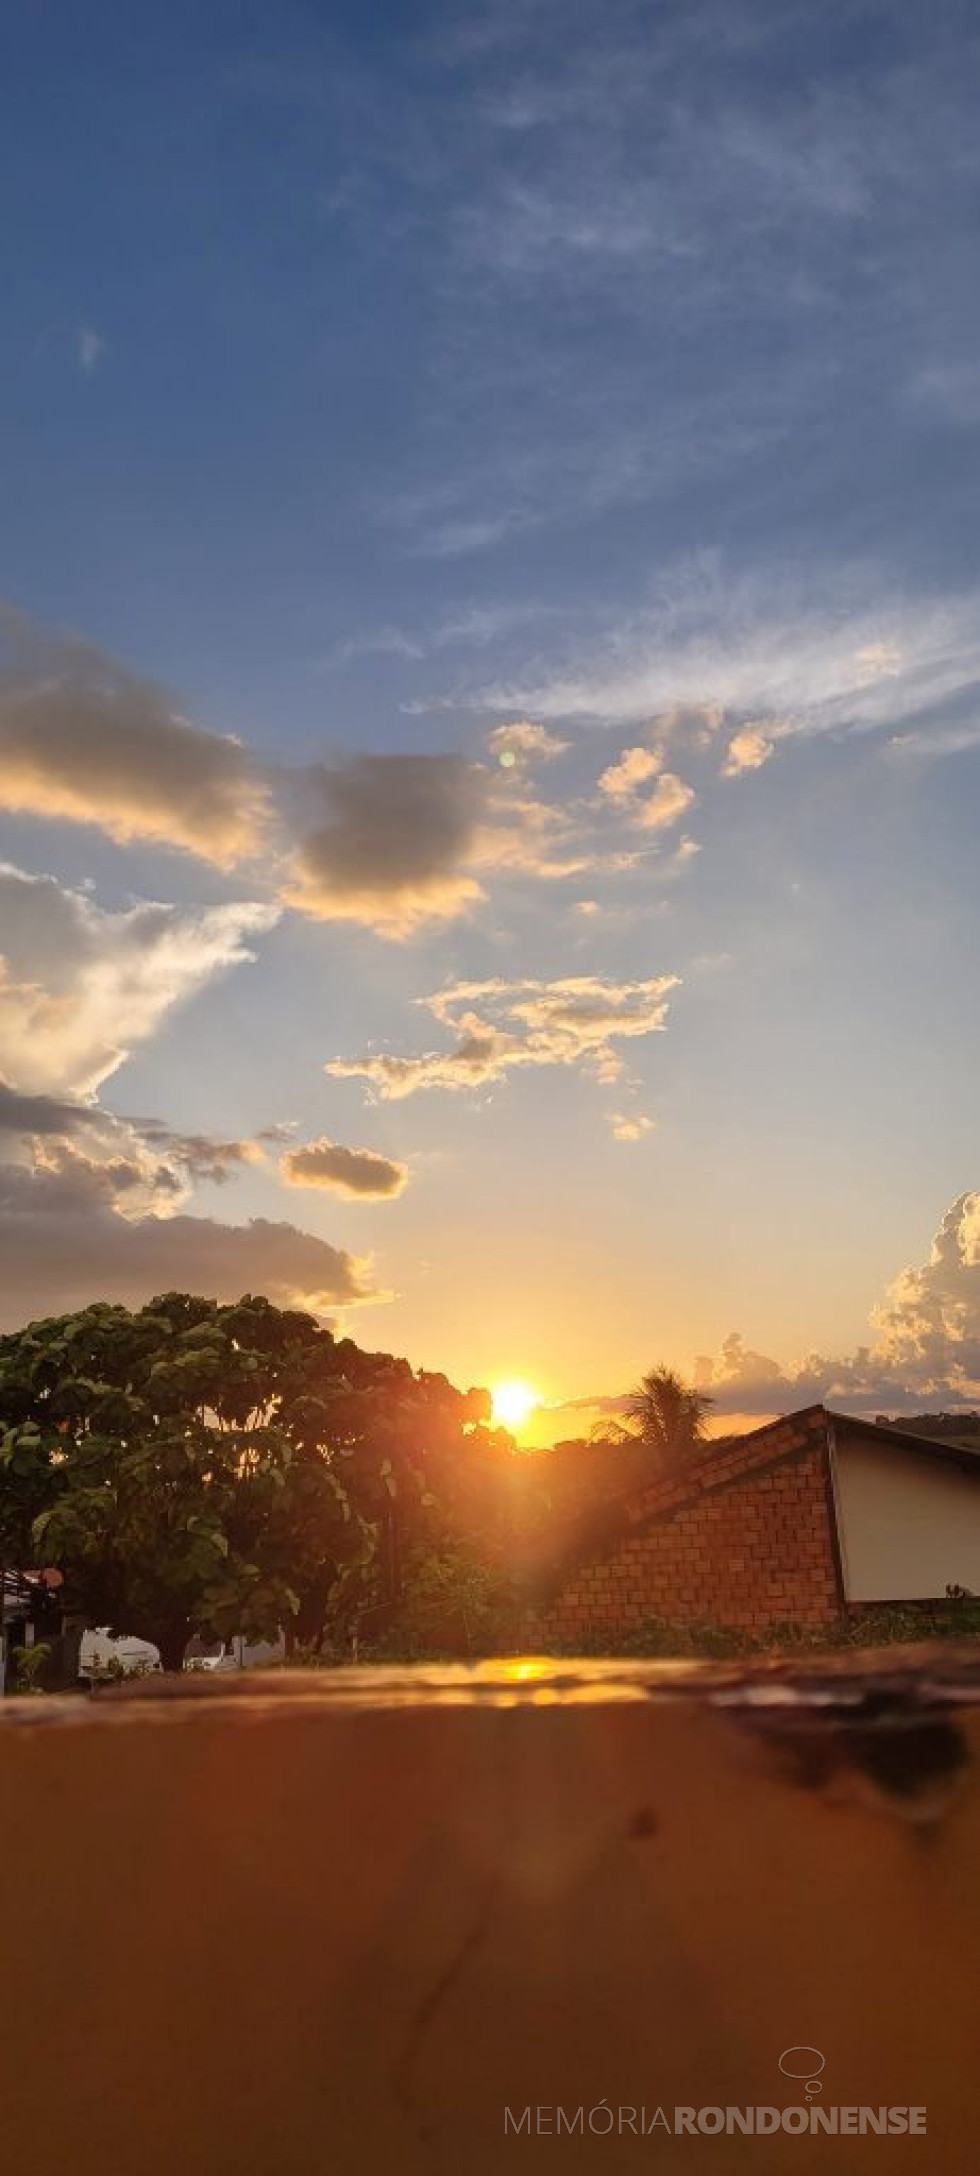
312	1922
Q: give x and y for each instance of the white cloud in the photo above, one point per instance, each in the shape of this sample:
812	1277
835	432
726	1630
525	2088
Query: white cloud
927	1349
80	986
59	1152
929	1321
631	770
748	750
722	646
630	1126
667	803
498	1026
524	741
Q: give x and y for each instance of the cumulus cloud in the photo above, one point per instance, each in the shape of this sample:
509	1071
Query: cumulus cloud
630	1126
408	839
357	1172
667	803
528	837
59	1149
578	1021
927	1347
203	1156
86	741
633	769
80	986
391	847
60	1154
394	842
622	785
523	741
60	1180
748	750
50	1263
32	1117
930	1318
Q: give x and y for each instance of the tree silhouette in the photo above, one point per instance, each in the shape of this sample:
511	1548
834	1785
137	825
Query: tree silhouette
669	1417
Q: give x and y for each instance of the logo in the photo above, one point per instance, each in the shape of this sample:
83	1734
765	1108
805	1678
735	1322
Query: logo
803	2062
800	2062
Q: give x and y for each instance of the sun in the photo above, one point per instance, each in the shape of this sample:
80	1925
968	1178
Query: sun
512	1402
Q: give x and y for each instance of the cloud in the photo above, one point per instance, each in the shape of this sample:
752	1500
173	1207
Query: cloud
394	842
391	848
927	1347
627	1126
91	347
58	1150
61	1180
656	811
930	1318
748	750
30	1116
710	645
202	1156
622	785
80	986
632	770
357	1172
50	1263
85	741
499	1025
524	742
529	837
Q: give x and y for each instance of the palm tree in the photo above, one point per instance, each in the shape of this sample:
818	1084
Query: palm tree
669	1417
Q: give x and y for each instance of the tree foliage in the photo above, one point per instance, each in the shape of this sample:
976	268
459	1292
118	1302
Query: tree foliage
192	1467
201	1468
669	1418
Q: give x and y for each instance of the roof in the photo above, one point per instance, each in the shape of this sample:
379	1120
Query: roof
735	1457
957	1454
725	1463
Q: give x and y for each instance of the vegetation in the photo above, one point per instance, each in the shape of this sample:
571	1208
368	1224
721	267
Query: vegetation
669	1418
31	1663
891	1624
196	1468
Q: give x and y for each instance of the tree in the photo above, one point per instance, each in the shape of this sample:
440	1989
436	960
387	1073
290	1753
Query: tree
669	1417
165	1477
232	1469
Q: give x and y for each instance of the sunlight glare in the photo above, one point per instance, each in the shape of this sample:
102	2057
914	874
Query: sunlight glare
512	1402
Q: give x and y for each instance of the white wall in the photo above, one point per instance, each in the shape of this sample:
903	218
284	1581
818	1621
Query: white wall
909	1525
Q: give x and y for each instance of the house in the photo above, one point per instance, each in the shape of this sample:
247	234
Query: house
797	1523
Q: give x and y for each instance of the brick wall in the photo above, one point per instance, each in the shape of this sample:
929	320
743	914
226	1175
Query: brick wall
743	1541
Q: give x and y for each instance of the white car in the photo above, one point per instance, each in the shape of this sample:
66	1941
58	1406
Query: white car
214	1657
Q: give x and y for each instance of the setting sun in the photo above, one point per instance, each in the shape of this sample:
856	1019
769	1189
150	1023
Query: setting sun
512	1404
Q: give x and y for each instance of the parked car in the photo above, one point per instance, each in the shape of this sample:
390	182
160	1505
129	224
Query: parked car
215	1656
234	1654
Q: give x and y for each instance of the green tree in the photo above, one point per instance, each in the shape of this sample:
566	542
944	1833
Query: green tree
221	1469
163	1471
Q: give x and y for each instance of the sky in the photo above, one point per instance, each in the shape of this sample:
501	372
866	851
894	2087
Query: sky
490	682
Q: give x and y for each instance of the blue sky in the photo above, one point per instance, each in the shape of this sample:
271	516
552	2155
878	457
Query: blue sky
489	527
